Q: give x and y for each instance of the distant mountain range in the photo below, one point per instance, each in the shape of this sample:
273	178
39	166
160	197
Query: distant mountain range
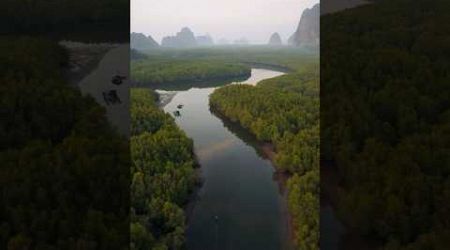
185	39
140	41
307	34
308	30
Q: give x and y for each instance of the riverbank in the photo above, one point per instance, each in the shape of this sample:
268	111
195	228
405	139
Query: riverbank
267	111
266	150
281	177
269	66
231	170
84	58
162	183
165	97
198	83
157	73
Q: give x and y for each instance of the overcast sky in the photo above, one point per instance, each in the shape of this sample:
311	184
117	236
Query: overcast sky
255	20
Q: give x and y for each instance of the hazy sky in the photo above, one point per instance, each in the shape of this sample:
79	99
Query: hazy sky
255	20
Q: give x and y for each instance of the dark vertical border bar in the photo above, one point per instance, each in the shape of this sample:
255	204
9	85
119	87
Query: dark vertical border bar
385	124
64	152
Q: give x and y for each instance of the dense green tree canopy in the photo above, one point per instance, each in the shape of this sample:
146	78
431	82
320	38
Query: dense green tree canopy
154	73
285	111
385	117
162	173
64	172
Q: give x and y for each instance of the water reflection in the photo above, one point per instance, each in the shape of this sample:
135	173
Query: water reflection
239	205
249	139
235	128
207	152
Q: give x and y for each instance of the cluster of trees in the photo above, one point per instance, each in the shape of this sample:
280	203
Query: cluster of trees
280	57
136	55
162	72
285	112
385	118
64	170
162	175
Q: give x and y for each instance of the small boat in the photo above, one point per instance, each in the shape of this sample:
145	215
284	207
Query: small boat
176	113
118	79
180	106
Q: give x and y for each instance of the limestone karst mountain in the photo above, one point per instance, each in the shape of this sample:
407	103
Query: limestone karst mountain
275	40
184	38
140	41
205	40
308	30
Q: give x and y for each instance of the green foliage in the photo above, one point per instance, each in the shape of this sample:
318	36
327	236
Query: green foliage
174	69
285	111
136	55
151	72
64	174
162	173
282	57
386	119
303	203
285	114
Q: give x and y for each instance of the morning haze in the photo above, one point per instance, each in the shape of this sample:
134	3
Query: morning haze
254	20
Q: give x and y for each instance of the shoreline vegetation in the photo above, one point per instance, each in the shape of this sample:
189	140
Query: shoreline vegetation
385	119
163	175
165	98
186	85
158	73
271	66
61	158
292	134
267	151
295	94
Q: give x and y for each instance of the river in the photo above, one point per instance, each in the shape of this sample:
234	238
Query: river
240	204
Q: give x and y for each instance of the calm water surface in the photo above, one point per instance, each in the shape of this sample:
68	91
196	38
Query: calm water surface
239	205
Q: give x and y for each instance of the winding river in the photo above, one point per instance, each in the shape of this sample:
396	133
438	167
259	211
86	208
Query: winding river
240	204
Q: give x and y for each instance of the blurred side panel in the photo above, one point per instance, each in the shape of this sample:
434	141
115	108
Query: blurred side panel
385	141
64	151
